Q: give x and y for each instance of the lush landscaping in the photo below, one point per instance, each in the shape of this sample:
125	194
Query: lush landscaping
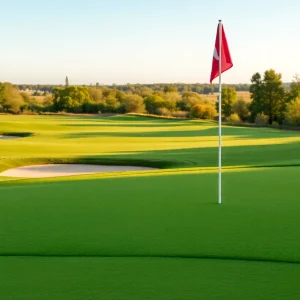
155	234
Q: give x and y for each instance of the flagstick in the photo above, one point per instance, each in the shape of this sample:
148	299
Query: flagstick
220	112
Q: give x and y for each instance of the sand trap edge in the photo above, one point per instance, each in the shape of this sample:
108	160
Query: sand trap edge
10	137
58	170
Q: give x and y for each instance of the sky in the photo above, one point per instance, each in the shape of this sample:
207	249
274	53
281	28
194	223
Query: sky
154	41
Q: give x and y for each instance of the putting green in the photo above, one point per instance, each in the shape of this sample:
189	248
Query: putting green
150	236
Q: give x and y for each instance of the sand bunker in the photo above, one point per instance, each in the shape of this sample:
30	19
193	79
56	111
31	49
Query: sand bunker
42	171
9	137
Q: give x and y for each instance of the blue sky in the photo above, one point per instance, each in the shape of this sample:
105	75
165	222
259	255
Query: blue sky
144	41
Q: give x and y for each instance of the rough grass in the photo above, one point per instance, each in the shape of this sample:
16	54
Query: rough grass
150	235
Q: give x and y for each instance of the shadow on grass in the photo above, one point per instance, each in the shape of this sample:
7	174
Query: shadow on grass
6	164
18	134
106	124
132	121
247	156
242	133
145	118
257	155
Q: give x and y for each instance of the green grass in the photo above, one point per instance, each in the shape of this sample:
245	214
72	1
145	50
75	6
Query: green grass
146	141
150	235
152	216
27	278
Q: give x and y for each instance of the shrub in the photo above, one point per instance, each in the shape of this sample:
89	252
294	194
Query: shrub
241	108
233	118
162	111
77	109
90	107
30	112
180	114
203	111
261	120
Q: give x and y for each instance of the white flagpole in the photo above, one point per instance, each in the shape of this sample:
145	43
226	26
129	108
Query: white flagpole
220	112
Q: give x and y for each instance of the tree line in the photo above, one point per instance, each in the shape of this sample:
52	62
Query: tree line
272	101
83	99
135	88
169	102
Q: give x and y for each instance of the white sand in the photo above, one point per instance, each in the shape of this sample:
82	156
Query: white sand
42	171
8	137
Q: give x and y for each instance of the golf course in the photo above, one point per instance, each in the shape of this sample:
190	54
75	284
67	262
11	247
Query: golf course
154	233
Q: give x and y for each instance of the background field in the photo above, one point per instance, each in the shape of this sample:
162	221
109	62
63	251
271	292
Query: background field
155	234
239	95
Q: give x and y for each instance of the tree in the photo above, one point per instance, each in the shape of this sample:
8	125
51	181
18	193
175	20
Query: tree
153	102
111	104
292	113
133	103
144	91
294	92
241	108
48	103
95	94
273	96
120	95
70	98
208	90
171	100
2	96
170	89
203	111
267	96
67	81
10	98
256	94
228	101
31	103
189	99
109	92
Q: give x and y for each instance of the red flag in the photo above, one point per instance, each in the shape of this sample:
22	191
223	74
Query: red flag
226	62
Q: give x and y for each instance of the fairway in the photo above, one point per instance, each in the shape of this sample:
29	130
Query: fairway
152	234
